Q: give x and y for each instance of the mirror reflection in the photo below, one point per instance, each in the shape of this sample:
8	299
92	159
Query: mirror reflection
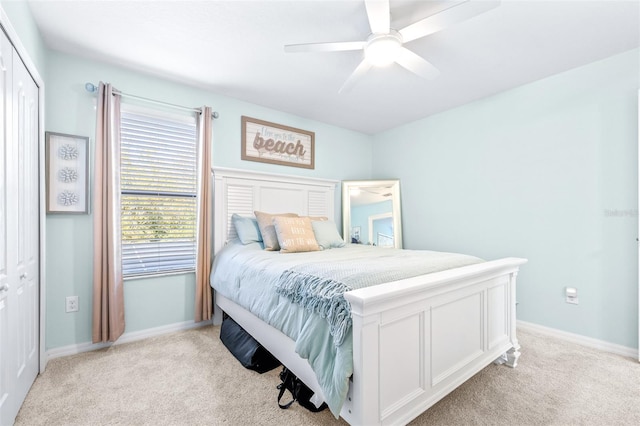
371	212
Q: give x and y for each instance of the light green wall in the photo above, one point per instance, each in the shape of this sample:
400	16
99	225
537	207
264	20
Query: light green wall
161	301
24	25
546	171
535	172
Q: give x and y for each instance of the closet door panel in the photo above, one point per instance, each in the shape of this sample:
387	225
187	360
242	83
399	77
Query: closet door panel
25	132
9	402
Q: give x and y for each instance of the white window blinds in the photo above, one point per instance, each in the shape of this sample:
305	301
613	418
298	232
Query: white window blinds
158	185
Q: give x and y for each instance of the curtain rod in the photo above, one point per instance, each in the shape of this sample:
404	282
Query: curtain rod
92	88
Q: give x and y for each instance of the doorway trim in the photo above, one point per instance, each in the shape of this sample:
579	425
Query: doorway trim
373	218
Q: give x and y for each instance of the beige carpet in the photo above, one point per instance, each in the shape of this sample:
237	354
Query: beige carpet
189	378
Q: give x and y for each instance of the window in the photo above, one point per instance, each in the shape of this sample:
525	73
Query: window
158	188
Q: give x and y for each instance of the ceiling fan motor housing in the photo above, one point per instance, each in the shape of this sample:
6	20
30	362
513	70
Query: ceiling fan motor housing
383	48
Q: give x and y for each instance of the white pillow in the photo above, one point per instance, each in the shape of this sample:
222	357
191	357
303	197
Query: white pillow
246	228
326	234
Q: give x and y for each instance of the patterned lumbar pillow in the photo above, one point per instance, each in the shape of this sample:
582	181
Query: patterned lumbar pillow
295	234
267	230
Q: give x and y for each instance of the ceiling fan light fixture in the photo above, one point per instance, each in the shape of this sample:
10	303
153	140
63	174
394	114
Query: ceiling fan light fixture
383	49
384	45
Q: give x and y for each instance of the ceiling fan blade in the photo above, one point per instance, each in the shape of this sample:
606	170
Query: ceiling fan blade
355	76
379	15
325	47
416	64
458	13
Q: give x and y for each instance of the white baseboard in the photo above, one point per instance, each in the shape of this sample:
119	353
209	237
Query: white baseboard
186	325
580	340
125	338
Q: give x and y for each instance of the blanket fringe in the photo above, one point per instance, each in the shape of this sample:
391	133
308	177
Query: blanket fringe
319	295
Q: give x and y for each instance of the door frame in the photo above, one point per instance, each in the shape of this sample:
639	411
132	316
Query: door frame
22	52
372	219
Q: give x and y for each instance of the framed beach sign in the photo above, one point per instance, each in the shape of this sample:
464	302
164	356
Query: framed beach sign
277	144
67	159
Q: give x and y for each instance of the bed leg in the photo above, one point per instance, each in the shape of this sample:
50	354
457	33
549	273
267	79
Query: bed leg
512	356
218	315
509	358
501	359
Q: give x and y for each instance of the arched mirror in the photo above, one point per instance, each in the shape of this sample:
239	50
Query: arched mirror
371	212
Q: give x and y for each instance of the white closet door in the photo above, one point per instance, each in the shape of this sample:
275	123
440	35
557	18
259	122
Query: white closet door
25	133
19	314
7	399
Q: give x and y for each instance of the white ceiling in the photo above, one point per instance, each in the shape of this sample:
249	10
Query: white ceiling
235	48
370	195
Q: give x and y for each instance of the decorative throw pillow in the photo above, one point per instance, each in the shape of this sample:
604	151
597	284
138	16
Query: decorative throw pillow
265	223
295	234
326	234
246	228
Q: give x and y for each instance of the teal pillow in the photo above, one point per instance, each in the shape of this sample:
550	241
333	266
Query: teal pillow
246	228
327	234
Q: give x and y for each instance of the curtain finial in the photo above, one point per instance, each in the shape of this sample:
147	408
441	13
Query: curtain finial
90	87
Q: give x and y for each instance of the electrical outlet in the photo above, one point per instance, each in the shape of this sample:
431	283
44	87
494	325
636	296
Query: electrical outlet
571	294
572	300
71	304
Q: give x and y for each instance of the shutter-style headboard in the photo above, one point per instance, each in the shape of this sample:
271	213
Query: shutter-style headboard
243	192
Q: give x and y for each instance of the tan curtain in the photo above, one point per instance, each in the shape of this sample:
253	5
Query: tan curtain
108	295
203	302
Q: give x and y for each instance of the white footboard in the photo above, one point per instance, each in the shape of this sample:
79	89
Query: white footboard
416	340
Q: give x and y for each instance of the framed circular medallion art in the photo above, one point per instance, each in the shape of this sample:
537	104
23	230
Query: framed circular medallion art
67	160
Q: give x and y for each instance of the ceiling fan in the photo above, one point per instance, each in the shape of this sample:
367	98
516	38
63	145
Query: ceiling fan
384	45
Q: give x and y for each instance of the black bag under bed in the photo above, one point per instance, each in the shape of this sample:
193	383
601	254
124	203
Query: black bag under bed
245	348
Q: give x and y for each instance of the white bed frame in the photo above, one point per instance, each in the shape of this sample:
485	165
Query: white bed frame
414	340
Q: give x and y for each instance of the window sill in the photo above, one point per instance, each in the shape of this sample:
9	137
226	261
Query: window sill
158	275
